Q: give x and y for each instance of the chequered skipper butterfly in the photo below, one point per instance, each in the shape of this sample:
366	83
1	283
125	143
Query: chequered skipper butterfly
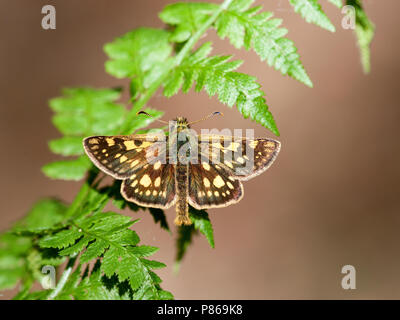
182	168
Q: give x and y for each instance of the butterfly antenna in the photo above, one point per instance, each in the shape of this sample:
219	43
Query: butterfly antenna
216	113
149	115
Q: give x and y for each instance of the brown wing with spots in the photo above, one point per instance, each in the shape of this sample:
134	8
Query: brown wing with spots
123	156
244	158
212	186
151	186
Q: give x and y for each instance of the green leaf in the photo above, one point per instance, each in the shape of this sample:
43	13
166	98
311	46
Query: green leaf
81	112
258	31
185	236
13	251
216	75
202	223
365	30
244	27
69	124
43	215
61	239
67	146
67	169
337	3
312	12
137	54
144	251
152	264
85	111
187	16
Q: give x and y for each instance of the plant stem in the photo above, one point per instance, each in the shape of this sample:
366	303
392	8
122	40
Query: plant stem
67	272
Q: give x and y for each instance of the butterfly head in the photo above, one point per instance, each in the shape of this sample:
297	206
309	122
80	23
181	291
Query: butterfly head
181	124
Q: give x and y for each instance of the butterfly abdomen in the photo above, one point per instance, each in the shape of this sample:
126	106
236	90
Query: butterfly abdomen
182	192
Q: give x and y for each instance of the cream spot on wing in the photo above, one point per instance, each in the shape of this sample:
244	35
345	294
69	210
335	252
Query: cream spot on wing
231	178
134	183
160	193
134	163
141	192
129	145
209	193
217	145
246	157
233	146
110	142
206	166
154	192
123	159
164	194
104	161
145	144
157	182
216	193
217	167
148	192
206	182
95	147
240	160
104	150
138	149
117	155
93	141
136	190
228	192
218	182
223	194
145	181
199	194
253	144
270	144
230	185
228	163
157	165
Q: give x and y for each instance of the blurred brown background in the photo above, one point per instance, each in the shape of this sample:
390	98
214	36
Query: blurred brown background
330	199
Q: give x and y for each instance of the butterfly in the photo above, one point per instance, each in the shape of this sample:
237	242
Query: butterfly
182	168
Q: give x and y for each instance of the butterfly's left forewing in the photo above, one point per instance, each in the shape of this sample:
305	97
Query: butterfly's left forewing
141	161
121	156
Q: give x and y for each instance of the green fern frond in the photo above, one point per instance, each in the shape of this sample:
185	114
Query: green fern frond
83	112
244	27
312	12
365	31
337	3
215	74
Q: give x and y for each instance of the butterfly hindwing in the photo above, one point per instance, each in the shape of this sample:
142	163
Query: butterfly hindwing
153	185
244	158
212	186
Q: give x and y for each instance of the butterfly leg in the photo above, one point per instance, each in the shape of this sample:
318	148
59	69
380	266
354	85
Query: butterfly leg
182	191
